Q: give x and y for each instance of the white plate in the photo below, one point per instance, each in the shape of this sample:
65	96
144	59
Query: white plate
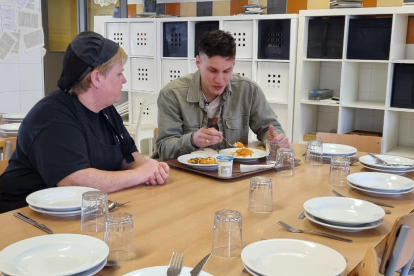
250	271
344	228
378	193
344	210
392	159
381	181
53	255
280	257
183	159
10	127
61	214
14	116
162	271
257	153
89	272
388	169
338	149
59	198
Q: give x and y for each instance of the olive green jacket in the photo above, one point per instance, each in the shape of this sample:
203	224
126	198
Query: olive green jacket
181	111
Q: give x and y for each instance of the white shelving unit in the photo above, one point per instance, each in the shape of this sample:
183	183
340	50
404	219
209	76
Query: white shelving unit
275	77
364	86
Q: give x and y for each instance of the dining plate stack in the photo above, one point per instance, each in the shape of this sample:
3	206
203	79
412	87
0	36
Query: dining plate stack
330	150
380	184
10	130
123	108
12	118
54	255
344	214
58	202
396	164
282	256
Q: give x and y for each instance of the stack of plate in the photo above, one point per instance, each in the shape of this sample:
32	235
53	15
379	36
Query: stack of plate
14	117
404	164
58	202
54	255
282	256
257	153
344	214
380	184
10	129
330	150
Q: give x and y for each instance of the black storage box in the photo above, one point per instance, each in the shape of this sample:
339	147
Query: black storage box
403	86
175	39
200	29
274	39
369	38
326	37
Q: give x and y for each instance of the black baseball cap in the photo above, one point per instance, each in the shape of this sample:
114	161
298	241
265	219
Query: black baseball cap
86	51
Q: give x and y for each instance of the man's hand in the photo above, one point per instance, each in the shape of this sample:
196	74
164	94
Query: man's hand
206	137
160	176
279	138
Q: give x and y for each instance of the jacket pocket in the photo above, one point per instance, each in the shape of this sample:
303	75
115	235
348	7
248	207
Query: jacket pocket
237	128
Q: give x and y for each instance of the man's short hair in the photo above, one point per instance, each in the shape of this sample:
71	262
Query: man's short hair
217	43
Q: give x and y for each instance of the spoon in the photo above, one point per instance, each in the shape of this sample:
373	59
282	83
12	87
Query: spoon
110	263
113	204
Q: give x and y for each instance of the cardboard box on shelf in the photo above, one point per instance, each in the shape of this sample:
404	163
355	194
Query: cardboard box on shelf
309	136
365	133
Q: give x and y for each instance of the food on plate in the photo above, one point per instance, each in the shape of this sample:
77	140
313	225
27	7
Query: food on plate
238	145
205	161
243	152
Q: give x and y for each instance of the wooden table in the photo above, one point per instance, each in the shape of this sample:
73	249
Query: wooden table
178	217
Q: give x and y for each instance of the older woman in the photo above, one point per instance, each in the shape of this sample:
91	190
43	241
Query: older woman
74	136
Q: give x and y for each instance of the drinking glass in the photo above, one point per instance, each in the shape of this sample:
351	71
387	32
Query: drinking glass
314	153
94	210
261	194
285	162
271	152
339	170
227	233
119	236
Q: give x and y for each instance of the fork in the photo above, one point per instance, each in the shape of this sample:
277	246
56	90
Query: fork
295	230
176	263
228	143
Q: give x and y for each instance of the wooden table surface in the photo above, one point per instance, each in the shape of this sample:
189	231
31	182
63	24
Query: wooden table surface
2	142
178	217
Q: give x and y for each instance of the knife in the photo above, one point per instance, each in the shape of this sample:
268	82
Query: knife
197	269
32	222
374	202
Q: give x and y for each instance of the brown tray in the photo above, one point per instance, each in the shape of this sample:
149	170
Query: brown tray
236	168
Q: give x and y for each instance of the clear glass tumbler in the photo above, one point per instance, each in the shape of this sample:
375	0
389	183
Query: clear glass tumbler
285	162
94	210
227	233
339	170
314	153
271	152
119	236
261	194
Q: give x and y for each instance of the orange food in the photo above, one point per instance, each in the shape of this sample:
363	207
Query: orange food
238	145
243	152
206	161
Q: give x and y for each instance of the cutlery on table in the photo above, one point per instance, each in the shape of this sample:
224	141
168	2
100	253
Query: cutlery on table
383	162
302	215
176	264
197	269
32	222
377	158
113	204
374	202
295	230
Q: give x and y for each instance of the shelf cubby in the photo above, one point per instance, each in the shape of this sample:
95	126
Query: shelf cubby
398	139
360	119
364	84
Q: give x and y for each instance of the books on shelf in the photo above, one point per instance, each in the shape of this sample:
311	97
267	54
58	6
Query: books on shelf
337	4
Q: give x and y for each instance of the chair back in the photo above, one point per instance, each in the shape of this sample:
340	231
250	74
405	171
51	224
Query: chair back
7	150
361	143
406	251
369	265
149	111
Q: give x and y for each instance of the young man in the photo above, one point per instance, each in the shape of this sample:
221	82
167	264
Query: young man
197	110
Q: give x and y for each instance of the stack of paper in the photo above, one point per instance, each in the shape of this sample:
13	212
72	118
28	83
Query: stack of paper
340	4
